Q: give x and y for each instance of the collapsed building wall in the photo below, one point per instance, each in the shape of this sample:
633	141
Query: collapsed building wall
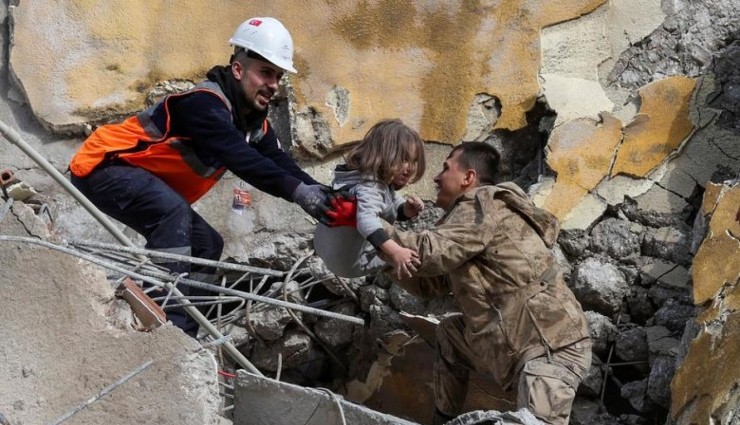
66	337
632	114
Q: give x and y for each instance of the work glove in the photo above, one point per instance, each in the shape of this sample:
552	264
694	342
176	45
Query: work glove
314	200
343	210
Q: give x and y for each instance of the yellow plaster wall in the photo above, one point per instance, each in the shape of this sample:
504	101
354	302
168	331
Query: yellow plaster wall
703	385
711	268
83	58
581	151
422	61
660	127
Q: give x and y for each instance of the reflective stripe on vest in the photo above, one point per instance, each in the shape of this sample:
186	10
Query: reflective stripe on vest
139	142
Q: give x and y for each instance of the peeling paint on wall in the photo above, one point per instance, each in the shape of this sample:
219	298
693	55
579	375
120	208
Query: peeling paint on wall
420	61
660	127
580	152
711	270
705	387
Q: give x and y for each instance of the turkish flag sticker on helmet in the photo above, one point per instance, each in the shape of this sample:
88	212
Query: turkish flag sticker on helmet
255	22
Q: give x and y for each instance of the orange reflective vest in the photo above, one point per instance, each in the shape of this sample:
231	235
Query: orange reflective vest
137	141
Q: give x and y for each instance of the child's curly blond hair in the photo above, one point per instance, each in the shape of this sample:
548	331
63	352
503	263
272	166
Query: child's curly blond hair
385	148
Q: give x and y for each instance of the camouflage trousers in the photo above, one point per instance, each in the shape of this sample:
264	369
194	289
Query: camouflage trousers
547	384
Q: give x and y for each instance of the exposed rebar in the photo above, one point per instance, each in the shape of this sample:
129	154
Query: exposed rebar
12	136
188	282
177	257
197	315
102	393
302	325
5	208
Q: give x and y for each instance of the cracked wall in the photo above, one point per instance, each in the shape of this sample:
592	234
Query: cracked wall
584	152
67	338
417	60
641	120
705	385
444	58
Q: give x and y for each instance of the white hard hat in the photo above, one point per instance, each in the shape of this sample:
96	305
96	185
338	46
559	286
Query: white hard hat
268	38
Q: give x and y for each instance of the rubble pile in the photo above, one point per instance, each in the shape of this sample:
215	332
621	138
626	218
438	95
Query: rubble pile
630	272
647	98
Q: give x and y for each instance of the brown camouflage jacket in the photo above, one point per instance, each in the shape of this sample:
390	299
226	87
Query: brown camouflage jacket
492	251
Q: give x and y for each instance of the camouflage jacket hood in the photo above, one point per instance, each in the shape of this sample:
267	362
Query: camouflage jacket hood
544	223
491	250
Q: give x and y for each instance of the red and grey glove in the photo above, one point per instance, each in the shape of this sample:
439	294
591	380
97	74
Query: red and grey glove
314	200
343	209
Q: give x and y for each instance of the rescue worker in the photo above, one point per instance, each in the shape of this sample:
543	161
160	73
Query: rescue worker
519	321
146	171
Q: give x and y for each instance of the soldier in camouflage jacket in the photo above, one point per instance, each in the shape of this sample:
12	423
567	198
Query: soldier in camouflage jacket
519	320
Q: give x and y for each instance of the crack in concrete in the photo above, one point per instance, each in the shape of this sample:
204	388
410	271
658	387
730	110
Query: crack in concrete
18	217
689	175
671	191
700	109
675	266
613	161
711	141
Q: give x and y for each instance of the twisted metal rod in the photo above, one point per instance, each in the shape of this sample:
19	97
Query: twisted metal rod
188	282
178	257
5	208
298	320
102	393
13	137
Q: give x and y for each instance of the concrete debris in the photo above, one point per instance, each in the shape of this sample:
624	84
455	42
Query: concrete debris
20	191
616	238
264	401
55	309
336	333
492	417
600	286
103	392
631	345
631	123
593	382
636	393
601	330
14	188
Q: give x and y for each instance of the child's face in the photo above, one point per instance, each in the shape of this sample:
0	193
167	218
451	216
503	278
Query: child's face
404	174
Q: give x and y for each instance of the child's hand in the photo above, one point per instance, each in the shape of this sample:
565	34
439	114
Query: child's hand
413	206
403	260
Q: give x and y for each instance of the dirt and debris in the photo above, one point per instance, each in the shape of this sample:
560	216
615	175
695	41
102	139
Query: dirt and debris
82	345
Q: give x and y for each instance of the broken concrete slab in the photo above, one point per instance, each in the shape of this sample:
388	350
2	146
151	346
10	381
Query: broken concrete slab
705	385
614	190
600	286
580	152
265	401
574	98
657	207
711	271
658	129
72	338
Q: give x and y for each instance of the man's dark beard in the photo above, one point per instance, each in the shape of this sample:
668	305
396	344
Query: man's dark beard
246	116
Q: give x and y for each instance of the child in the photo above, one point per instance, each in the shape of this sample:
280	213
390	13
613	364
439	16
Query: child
390	156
